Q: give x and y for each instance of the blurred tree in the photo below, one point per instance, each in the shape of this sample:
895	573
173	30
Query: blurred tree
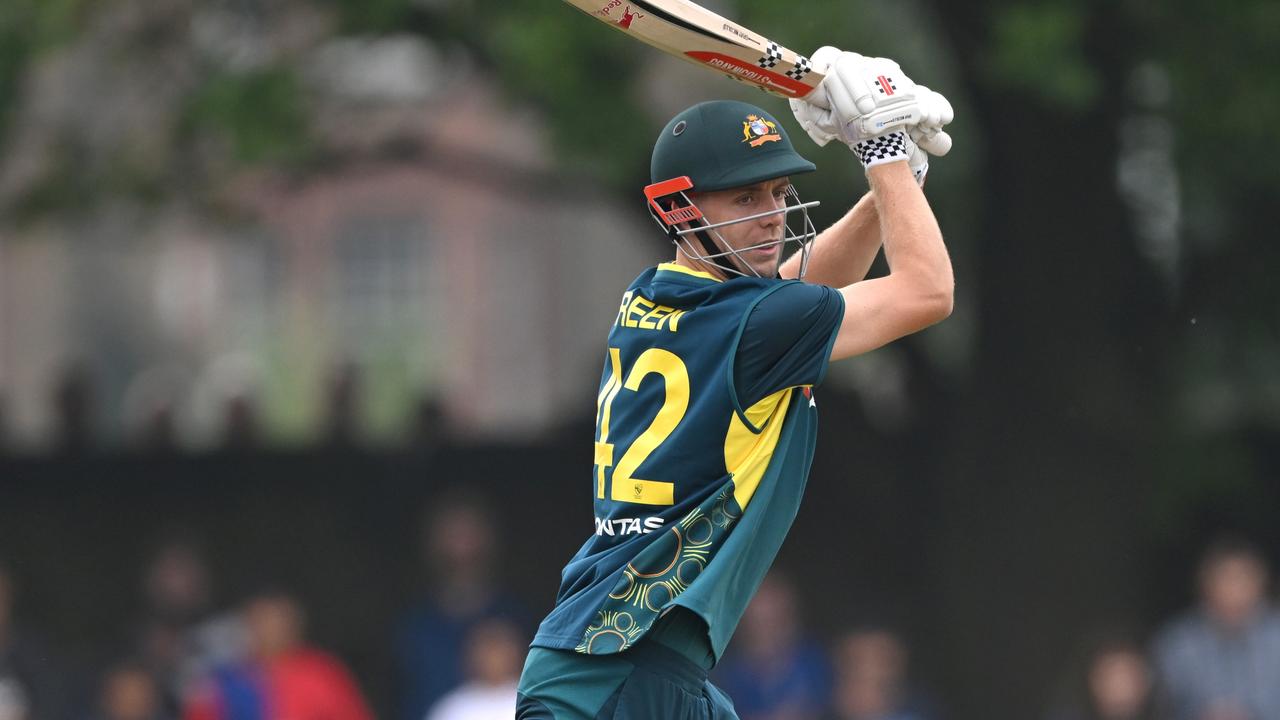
373	16
28	27
1046	446
1082	362
262	113
582	79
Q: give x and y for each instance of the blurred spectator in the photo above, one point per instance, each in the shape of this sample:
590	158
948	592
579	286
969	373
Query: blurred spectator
430	426
871	679
494	656
459	541
1115	684
240	423
158	433
1221	660
181	639
149	407
73	402
343	395
130	692
30	680
773	672
283	679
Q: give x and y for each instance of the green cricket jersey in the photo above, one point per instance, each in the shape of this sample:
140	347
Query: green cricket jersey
705	431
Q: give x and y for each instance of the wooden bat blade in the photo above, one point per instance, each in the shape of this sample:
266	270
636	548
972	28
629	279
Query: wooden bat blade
694	33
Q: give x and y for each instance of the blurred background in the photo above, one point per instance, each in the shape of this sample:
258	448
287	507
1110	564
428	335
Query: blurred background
301	311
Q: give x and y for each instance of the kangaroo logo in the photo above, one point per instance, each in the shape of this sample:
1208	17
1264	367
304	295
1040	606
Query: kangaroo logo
628	17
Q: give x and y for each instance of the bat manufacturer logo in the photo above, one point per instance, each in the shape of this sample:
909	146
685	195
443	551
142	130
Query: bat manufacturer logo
886	85
788	85
757	131
628	17
607	9
736	31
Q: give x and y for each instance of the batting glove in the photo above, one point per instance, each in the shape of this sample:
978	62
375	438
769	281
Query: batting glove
886	99
869	97
935	114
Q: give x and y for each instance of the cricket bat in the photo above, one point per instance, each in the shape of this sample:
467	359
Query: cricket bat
694	33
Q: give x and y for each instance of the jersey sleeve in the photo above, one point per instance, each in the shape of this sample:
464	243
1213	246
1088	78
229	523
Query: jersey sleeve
785	340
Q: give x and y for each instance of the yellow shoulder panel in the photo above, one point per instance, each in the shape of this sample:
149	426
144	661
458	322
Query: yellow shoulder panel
747	454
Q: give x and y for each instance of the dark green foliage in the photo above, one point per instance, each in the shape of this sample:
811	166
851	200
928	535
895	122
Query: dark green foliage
13	55
372	16
28	27
582	77
262	114
1037	49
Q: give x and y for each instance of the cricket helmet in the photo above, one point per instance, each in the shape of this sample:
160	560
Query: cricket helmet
723	144
719	145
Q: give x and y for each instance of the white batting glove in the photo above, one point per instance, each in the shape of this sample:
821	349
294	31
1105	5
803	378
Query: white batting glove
814	112
869	97
918	162
820	114
935	113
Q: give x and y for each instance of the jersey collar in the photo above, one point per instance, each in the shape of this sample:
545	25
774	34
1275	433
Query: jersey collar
676	268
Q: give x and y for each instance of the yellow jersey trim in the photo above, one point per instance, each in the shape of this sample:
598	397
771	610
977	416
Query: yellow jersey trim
675	267
747	454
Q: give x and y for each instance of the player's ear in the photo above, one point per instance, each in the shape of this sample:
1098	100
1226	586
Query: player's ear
672	204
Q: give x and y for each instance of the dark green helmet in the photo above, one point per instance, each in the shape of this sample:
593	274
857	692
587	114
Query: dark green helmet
723	144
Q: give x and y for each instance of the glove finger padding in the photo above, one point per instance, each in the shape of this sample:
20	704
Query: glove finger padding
841	88
935	142
814	111
821	61
823	58
935	109
812	117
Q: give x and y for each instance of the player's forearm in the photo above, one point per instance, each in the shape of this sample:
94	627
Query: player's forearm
912	239
842	254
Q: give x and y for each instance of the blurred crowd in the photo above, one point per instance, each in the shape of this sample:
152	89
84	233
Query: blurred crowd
1220	660
458	650
82	420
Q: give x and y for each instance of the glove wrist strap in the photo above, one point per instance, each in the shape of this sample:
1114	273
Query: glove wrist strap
887	148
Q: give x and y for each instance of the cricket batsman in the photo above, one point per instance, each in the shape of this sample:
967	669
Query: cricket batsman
706	413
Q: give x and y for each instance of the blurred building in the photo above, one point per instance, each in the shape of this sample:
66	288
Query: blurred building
433	246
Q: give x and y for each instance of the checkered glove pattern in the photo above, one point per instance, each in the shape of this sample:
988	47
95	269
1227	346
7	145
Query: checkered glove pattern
887	148
892	147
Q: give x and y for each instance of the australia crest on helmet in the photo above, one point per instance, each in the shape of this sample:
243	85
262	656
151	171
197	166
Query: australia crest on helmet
757	131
